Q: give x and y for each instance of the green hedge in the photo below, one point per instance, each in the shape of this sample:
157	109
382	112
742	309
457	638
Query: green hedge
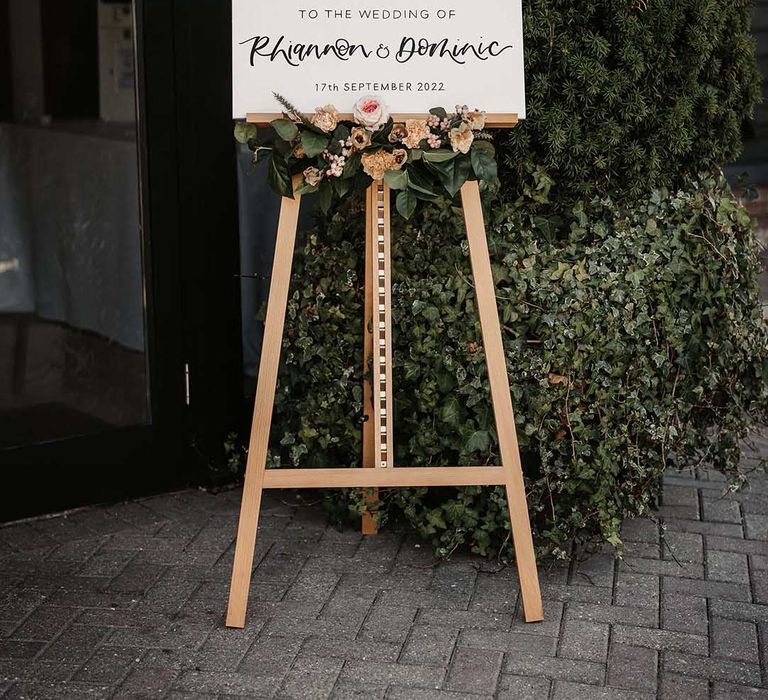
633	337
624	95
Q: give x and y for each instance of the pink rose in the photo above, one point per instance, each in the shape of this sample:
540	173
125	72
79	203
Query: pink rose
371	113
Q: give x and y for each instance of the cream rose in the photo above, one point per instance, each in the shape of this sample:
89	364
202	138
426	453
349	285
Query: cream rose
476	120
371	113
417	132
461	138
326	118
312	176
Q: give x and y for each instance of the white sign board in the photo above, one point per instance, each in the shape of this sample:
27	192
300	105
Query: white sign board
427	54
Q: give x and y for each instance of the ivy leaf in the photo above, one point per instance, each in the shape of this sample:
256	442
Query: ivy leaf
439	112
454	173
313	143
451	411
396	179
483	158
278	177
285	129
245	132
305	188
406	203
341	186
479	441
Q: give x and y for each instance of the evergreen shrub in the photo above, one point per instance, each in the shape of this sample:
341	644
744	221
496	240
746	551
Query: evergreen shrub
633	335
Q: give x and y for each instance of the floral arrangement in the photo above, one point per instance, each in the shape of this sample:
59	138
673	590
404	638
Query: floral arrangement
421	158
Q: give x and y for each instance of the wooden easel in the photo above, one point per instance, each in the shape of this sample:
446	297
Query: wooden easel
377	469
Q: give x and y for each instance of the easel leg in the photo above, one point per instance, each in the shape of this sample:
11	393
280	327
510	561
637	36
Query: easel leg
368	525
502	401
262	411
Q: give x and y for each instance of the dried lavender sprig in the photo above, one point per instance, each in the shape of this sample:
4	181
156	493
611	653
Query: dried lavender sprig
290	109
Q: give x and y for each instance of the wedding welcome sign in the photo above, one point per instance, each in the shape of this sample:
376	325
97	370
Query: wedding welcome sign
399	105
414	57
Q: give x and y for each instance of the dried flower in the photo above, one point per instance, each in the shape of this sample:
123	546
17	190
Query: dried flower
461	138
398	133
371	113
476	120
312	176
326	118
376	164
417	131
398	158
298	151
361	138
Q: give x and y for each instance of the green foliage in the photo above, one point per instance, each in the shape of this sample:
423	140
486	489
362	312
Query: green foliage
624	95
633	337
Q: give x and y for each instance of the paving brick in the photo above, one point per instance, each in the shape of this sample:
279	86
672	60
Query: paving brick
728	691
430	646
714	669
564	690
388	624
640	530
661	639
727	566
311	677
382	674
108	665
225	683
510	642
43	690
355	691
707	589
271	657
474	671
684	613
739	611
632	667
613	614
549	626
596	570
555	667
523	688
465	619
75	643
361	649
734	544
637	590
756	526
585	640
667	567
45	622
683	546
675	687
724	510
704	527
400	693
15	649
734	639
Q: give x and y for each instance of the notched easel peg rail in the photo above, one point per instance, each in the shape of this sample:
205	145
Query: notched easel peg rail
377	468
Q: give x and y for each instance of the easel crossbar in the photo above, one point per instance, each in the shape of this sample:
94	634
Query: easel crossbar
349	477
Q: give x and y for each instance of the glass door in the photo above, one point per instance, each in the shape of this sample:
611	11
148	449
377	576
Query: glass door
76	409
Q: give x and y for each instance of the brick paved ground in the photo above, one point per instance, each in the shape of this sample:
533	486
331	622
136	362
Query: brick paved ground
128	600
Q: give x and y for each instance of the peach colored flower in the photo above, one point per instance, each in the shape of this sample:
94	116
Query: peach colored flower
461	138
326	118
361	138
476	120
376	164
298	151
417	131
312	176
371	112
